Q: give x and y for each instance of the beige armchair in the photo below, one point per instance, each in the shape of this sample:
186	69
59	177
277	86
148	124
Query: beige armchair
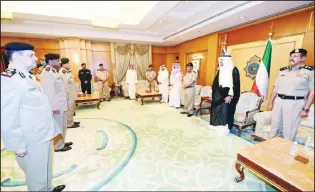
199	104
247	106
264	130
197	93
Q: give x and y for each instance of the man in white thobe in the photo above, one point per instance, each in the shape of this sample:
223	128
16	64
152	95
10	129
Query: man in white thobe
176	83
131	80
163	83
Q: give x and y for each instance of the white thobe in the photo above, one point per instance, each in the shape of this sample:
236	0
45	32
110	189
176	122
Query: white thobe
131	80
163	86
175	94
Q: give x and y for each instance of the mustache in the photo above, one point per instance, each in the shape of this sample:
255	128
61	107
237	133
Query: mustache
291	60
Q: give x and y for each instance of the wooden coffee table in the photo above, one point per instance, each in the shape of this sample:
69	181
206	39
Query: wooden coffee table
271	161
142	95
88	98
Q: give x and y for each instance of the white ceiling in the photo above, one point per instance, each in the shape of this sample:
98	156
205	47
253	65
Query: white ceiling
154	22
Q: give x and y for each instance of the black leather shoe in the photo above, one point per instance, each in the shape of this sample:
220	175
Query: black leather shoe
59	188
74	126
98	105
68	144
183	112
189	115
65	148
76	123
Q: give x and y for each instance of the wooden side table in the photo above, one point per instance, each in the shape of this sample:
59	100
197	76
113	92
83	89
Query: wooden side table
207	100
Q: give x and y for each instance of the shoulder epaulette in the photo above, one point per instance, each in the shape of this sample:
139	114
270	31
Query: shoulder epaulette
8	72
47	69
311	68
194	71
64	71
284	68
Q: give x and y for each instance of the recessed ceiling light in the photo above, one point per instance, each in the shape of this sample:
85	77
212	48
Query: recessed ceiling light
186	1
161	21
241	17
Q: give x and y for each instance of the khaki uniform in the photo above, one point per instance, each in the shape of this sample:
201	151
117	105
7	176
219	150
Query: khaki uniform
189	92
291	81
103	87
54	88
71	90
28	122
150	77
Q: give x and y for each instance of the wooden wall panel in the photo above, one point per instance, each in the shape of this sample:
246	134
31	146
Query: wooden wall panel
101	54
202	65
41	46
157	60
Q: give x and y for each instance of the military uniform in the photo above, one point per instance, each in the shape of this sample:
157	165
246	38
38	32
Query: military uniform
28	123
150	77
103	87
293	85
71	90
54	88
189	92
85	75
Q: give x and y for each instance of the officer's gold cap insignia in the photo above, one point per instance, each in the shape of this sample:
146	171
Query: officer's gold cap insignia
297	51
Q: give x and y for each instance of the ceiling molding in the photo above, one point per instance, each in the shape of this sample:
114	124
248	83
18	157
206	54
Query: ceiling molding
209	18
270	17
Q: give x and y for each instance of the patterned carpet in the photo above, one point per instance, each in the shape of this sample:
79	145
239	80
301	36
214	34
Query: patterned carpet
126	146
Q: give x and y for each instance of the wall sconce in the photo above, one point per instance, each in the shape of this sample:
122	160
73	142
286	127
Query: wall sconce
75	58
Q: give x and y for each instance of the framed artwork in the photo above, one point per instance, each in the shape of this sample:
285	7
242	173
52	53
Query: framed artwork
196	64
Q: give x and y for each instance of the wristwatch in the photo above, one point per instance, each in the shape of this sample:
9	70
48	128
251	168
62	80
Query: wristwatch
307	110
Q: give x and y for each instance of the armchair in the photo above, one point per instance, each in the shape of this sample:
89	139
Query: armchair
247	106
264	131
202	100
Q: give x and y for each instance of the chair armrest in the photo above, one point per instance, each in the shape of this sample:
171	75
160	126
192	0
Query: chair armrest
249	119
263	118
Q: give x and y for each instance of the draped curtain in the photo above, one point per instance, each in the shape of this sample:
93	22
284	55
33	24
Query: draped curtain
124	54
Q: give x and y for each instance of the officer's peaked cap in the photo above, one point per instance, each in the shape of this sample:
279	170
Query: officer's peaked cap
18	46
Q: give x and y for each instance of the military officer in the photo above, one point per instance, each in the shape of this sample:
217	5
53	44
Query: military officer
189	82
150	75
71	90
85	77
54	88
102	78
27	126
293	95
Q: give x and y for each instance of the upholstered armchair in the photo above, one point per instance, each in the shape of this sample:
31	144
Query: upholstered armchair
247	106
197	93
202	100
264	130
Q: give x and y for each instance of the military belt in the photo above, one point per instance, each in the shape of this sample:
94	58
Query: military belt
290	97
191	86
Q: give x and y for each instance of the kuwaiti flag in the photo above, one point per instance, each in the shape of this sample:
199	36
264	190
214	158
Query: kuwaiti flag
260	85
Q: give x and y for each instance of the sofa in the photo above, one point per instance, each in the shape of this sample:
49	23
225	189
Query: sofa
264	130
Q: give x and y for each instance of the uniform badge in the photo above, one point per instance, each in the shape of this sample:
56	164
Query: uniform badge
32	89
8	73
22	74
64	71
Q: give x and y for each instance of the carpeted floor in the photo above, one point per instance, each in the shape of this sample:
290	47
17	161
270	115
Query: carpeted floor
126	146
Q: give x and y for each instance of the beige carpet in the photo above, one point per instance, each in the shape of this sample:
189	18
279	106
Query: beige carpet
126	146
